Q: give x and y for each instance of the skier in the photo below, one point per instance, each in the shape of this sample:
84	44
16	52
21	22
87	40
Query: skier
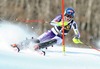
54	35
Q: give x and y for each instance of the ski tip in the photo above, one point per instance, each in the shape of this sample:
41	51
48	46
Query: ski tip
14	45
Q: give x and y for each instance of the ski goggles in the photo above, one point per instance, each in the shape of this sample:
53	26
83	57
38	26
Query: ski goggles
69	16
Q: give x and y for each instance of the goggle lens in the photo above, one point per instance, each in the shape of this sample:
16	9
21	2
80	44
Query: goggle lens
68	16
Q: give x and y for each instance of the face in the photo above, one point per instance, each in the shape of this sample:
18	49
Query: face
68	18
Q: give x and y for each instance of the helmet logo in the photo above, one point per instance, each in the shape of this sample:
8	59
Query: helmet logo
70	11
67	27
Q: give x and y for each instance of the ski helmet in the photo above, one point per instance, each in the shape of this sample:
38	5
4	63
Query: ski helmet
69	11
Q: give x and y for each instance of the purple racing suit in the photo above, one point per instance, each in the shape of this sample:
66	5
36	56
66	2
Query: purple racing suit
56	31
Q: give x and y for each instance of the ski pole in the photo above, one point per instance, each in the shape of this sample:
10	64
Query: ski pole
92	47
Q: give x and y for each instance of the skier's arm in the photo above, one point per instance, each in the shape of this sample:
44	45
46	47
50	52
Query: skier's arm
76	38
75	28
59	23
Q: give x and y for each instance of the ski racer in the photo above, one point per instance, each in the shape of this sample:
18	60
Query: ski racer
54	35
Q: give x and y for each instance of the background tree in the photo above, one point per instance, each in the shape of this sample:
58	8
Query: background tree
87	14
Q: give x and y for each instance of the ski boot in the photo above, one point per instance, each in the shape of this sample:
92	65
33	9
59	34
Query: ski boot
15	47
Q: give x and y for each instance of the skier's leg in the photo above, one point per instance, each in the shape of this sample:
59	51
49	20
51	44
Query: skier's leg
24	44
46	36
47	43
55	40
59	39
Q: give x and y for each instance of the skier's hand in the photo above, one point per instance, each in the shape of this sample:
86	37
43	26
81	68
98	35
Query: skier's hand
77	40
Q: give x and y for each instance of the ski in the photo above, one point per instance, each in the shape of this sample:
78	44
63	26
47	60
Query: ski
36	48
41	52
30	42
14	46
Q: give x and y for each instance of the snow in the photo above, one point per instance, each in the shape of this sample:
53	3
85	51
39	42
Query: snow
73	58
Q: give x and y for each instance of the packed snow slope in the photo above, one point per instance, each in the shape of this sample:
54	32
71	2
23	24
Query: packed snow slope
73	58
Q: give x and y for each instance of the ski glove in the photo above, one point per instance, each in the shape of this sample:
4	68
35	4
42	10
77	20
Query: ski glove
77	40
